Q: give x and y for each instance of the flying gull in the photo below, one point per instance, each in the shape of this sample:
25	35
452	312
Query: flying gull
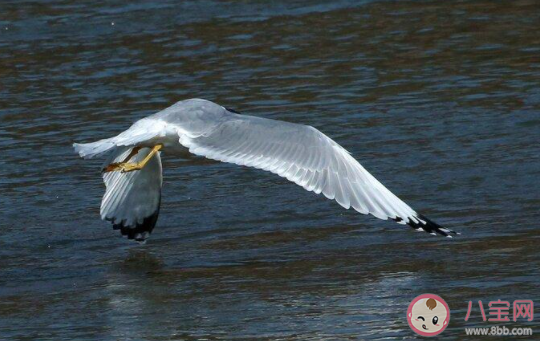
300	153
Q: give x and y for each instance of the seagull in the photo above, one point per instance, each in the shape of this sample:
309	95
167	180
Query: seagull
300	153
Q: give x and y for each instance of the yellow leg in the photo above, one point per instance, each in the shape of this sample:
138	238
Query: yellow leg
118	165
125	166
130	167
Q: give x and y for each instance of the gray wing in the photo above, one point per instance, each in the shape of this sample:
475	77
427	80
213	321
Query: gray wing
131	201
307	157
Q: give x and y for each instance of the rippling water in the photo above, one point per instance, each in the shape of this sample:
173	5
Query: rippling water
440	100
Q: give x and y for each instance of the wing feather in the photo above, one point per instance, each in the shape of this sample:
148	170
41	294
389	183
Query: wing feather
307	157
131	201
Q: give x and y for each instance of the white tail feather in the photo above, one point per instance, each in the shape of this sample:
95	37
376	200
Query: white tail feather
93	149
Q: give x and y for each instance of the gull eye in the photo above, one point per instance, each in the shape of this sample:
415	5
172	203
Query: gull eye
435	319
421	317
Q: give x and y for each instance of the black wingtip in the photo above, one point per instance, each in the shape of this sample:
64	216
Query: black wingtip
429	226
139	232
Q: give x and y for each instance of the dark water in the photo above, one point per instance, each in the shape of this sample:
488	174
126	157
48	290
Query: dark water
440	100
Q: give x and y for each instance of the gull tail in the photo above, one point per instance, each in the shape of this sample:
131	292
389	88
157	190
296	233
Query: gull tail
93	149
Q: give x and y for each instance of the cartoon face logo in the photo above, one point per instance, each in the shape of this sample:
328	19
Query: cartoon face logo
428	315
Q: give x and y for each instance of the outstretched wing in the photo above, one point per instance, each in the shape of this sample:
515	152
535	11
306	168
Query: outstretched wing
131	201
307	157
